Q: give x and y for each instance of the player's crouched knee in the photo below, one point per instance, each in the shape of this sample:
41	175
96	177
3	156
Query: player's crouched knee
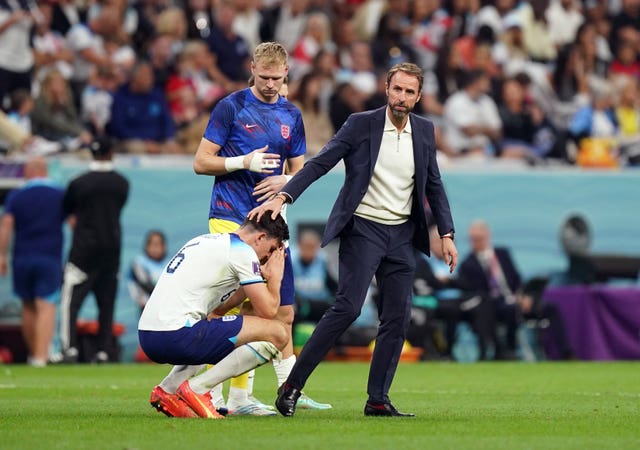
279	335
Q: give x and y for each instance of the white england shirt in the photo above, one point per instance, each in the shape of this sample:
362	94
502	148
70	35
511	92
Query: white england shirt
198	279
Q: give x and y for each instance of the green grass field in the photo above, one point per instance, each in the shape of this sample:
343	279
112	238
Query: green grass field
478	406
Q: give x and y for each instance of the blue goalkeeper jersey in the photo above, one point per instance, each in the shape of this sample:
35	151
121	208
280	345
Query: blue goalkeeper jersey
240	124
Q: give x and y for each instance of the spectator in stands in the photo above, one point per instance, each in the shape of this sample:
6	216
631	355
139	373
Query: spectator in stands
596	120
495	15
140	117
172	23
509	51
526	131
285	22
345	101
94	202
536	33
230	50
160	56
13	137
55	117
472	121
86	40
430	23
626	61
490	272
65	15
247	22
625	25
50	49
450	71
146	267
199	17
316	36
97	98
16	56
198	65
325	66
564	18
317	124
314	286
391	43
16	128
128	14
628	110
33	216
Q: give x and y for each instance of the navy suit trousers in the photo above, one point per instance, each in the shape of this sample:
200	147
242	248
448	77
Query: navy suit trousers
366	249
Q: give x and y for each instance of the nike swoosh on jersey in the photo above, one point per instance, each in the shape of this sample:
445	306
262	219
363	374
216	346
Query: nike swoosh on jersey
248	127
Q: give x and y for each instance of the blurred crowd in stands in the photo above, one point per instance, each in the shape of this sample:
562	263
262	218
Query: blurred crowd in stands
533	81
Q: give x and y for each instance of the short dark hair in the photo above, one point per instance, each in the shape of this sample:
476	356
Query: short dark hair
275	228
409	69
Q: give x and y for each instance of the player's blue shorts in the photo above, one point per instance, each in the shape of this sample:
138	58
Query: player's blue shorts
37	277
206	342
287	293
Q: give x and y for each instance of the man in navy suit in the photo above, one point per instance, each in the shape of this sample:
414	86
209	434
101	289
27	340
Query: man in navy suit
491	272
379	216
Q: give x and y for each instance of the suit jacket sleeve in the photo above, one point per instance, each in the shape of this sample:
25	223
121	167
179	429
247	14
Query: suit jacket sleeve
435	192
335	150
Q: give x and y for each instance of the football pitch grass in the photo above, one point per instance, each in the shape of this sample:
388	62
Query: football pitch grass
573	405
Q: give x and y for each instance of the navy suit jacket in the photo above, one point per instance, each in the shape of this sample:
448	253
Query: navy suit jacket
358	144
474	277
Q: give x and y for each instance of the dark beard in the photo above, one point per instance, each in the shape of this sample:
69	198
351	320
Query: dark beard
399	116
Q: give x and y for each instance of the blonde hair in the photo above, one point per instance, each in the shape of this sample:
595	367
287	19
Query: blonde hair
172	22
45	90
270	54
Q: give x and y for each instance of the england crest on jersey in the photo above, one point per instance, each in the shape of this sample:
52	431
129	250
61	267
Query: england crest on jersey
284	131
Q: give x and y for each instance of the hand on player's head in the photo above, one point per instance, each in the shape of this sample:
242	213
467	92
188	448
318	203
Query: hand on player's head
273	206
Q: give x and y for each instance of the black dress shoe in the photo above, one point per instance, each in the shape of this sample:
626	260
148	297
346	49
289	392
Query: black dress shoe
287	398
384	410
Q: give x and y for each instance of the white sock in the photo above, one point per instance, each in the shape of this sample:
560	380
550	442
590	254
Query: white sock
252	375
242	359
283	368
177	376
237	397
217	397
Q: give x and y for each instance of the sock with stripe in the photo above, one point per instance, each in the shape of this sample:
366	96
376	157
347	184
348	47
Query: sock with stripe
239	361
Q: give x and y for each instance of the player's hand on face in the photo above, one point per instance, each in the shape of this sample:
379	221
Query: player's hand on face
262	162
269	187
273	269
450	253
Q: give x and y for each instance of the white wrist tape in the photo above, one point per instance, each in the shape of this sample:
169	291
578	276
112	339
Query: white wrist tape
259	163
234	163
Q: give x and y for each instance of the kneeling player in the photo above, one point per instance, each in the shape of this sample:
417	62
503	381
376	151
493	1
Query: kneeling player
210	271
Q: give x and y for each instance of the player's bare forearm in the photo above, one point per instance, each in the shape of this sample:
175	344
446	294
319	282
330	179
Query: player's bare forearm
207	161
235	300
